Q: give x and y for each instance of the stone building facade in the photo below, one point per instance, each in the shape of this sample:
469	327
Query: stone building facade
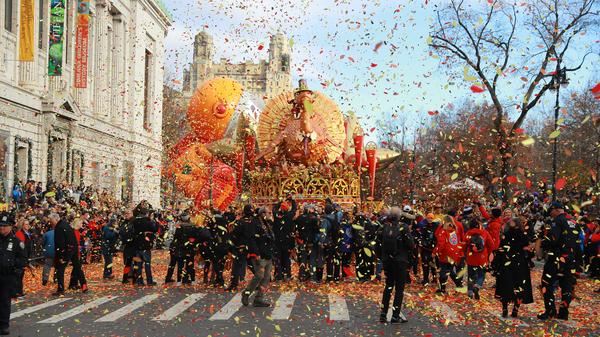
265	79
107	134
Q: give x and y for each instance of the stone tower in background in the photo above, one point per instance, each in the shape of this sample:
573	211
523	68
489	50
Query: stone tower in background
265	79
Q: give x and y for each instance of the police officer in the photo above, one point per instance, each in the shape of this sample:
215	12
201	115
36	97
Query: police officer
12	262
559	241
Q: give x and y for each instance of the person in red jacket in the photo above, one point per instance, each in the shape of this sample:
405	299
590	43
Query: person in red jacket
494	226
449	251
477	248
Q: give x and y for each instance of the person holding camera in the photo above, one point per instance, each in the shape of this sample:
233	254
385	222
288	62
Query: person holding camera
396	244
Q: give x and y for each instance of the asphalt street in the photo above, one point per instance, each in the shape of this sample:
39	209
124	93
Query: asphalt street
298	309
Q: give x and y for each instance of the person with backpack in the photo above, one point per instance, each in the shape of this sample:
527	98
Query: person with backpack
110	237
242	233
449	251
478	247
308	226
221	243
187	239
513	275
494	225
329	240
127	235
396	244
427	228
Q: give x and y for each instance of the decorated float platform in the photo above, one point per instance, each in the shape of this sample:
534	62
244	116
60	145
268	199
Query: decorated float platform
242	150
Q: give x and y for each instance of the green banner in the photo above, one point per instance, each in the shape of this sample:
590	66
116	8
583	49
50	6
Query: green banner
57	25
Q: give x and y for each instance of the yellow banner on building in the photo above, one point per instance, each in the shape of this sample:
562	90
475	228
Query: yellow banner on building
26	30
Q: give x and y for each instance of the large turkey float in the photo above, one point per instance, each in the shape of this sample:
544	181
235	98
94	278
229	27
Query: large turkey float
295	144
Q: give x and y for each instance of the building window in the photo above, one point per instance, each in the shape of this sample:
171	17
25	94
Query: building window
8	15
59	164
148	104
22	162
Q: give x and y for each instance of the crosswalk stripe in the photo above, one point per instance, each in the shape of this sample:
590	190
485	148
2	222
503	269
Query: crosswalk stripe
38	307
178	308
338	311
113	316
447	313
229	309
78	310
284	306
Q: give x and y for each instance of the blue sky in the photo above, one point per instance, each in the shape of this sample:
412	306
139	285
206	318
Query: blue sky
327	35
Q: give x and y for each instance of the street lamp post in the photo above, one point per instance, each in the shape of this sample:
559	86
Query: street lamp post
559	79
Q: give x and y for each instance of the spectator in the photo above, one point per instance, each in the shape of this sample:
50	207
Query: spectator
17	195
48	247
512	269
478	246
22	233
109	243
450	252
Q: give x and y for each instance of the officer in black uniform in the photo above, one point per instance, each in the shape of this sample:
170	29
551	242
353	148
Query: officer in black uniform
559	241
12	262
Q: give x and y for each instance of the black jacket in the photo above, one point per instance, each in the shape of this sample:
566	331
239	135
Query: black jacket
262	242
144	230
187	238
243	232
512	268
561	237
64	238
408	242
308	227
12	254
219	233
283	226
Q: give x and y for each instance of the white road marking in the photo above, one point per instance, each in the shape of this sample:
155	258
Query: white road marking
229	309
129	308
38	307
78	310
284	306
447	313
178	308
338	310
